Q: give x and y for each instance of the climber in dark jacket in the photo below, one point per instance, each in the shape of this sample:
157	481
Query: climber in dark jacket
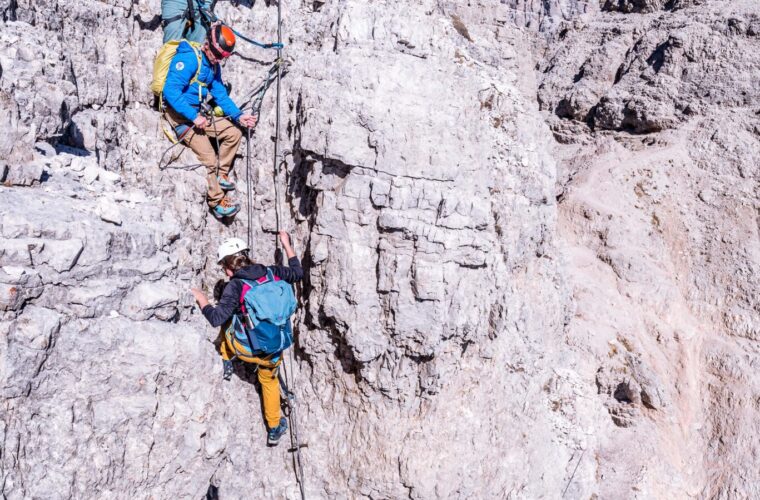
233	256
243	269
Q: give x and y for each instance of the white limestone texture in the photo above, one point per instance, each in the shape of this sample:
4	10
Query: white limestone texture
529	231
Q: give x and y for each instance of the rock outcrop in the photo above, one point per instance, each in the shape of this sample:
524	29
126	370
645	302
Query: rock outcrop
529	232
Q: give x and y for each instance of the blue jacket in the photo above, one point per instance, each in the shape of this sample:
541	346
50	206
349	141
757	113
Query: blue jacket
183	96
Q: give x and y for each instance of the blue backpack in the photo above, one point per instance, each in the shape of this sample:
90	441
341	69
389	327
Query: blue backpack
263	324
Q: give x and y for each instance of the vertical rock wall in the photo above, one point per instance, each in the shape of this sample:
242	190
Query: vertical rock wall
529	231
419	188
656	114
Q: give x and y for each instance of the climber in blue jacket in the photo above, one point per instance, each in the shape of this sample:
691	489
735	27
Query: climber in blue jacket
193	74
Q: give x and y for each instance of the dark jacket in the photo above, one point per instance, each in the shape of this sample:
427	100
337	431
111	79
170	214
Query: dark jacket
229	304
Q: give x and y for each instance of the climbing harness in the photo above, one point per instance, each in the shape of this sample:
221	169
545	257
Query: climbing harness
160	72
206	110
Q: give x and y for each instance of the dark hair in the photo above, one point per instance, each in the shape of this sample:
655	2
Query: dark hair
237	261
219	289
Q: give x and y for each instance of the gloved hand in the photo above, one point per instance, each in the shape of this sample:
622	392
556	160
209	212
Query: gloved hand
228	369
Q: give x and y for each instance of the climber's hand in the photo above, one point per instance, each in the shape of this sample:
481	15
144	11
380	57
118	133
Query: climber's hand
284	238
248	121
200	122
200	297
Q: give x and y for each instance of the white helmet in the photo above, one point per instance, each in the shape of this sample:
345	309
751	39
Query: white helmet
230	246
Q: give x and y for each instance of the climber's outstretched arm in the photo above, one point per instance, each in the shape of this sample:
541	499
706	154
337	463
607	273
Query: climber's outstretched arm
200	297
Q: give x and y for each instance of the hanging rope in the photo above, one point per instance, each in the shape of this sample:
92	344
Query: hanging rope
175	142
256	97
208	18
248	183
276	164
289	398
254	100
276	169
276	45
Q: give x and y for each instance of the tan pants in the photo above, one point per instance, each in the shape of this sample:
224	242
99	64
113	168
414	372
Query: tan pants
199	141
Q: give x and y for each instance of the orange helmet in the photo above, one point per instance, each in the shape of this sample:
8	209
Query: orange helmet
221	40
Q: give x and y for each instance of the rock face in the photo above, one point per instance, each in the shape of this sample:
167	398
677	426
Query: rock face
529	232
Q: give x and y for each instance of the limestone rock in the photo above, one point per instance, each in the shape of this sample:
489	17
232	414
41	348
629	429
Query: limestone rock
28	341
62	255
147	300
90	174
23	175
109	211
528	230
109	177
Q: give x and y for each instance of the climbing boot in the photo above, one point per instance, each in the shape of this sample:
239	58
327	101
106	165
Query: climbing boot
228	369
225	183
225	209
274	434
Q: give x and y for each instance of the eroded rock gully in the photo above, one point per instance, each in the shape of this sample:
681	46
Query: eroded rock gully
530	231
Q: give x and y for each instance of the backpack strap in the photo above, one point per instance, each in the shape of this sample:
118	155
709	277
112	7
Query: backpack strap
199	57
269	276
237	325
190	15
197	51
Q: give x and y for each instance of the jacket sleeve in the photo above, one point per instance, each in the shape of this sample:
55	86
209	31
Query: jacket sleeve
228	305
292	273
181	70
219	93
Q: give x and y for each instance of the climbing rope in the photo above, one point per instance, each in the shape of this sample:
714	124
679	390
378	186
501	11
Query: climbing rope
216	139
276	162
208	18
289	398
175	142
180	141
255	98
248	183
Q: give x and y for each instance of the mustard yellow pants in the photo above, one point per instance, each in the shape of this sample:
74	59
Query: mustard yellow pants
270	383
